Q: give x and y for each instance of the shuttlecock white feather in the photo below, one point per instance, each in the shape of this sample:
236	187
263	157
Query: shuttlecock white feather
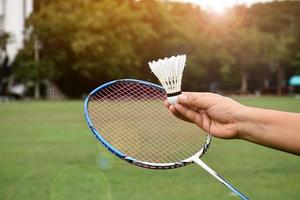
169	72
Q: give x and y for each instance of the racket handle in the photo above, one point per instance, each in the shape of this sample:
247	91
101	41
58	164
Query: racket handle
220	178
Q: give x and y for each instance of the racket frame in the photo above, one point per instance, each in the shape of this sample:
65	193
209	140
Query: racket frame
160	166
129	159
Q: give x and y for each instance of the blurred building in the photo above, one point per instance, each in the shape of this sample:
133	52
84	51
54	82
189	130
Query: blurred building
13	14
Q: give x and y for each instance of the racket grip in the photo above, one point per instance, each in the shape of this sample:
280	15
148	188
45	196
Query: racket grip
220	178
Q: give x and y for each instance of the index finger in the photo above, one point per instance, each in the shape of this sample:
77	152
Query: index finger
200	100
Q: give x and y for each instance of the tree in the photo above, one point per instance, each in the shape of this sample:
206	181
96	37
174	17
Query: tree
5	38
279	54
245	53
86	43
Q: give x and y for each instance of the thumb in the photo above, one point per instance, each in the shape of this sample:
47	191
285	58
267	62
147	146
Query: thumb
198	100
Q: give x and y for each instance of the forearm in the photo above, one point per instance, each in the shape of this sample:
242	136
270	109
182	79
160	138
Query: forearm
275	129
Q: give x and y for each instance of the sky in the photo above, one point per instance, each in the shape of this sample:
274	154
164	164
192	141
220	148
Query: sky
221	5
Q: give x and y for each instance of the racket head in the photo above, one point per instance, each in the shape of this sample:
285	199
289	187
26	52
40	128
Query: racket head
109	105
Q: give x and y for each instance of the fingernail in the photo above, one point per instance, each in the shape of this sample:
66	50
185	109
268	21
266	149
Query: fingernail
182	98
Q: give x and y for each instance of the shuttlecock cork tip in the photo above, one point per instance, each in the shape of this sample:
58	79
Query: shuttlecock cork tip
169	72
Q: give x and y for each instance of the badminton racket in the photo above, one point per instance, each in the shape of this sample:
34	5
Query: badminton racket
128	117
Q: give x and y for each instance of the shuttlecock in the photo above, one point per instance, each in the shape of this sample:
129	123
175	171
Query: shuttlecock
169	72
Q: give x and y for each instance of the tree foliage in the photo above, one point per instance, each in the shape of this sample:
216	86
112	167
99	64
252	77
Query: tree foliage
86	43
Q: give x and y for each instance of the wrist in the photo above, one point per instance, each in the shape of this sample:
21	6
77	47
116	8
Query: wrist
246	123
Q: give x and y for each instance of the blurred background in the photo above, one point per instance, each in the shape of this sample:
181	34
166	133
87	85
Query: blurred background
54	52
68	47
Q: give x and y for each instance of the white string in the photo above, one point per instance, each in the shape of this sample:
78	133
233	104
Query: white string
132	118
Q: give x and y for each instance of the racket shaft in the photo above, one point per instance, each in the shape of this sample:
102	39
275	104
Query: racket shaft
220	178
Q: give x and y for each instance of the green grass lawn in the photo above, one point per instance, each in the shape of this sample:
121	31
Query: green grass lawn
47	152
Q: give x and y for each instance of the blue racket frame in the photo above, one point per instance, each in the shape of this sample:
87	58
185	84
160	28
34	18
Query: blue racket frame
118	153
153	165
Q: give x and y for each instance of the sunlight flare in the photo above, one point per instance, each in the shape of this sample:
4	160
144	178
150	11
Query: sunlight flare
219	6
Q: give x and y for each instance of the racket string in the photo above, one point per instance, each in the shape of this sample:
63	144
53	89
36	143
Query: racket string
138	141
146	147
132	118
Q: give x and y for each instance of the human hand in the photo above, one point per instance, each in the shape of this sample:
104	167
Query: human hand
215	114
